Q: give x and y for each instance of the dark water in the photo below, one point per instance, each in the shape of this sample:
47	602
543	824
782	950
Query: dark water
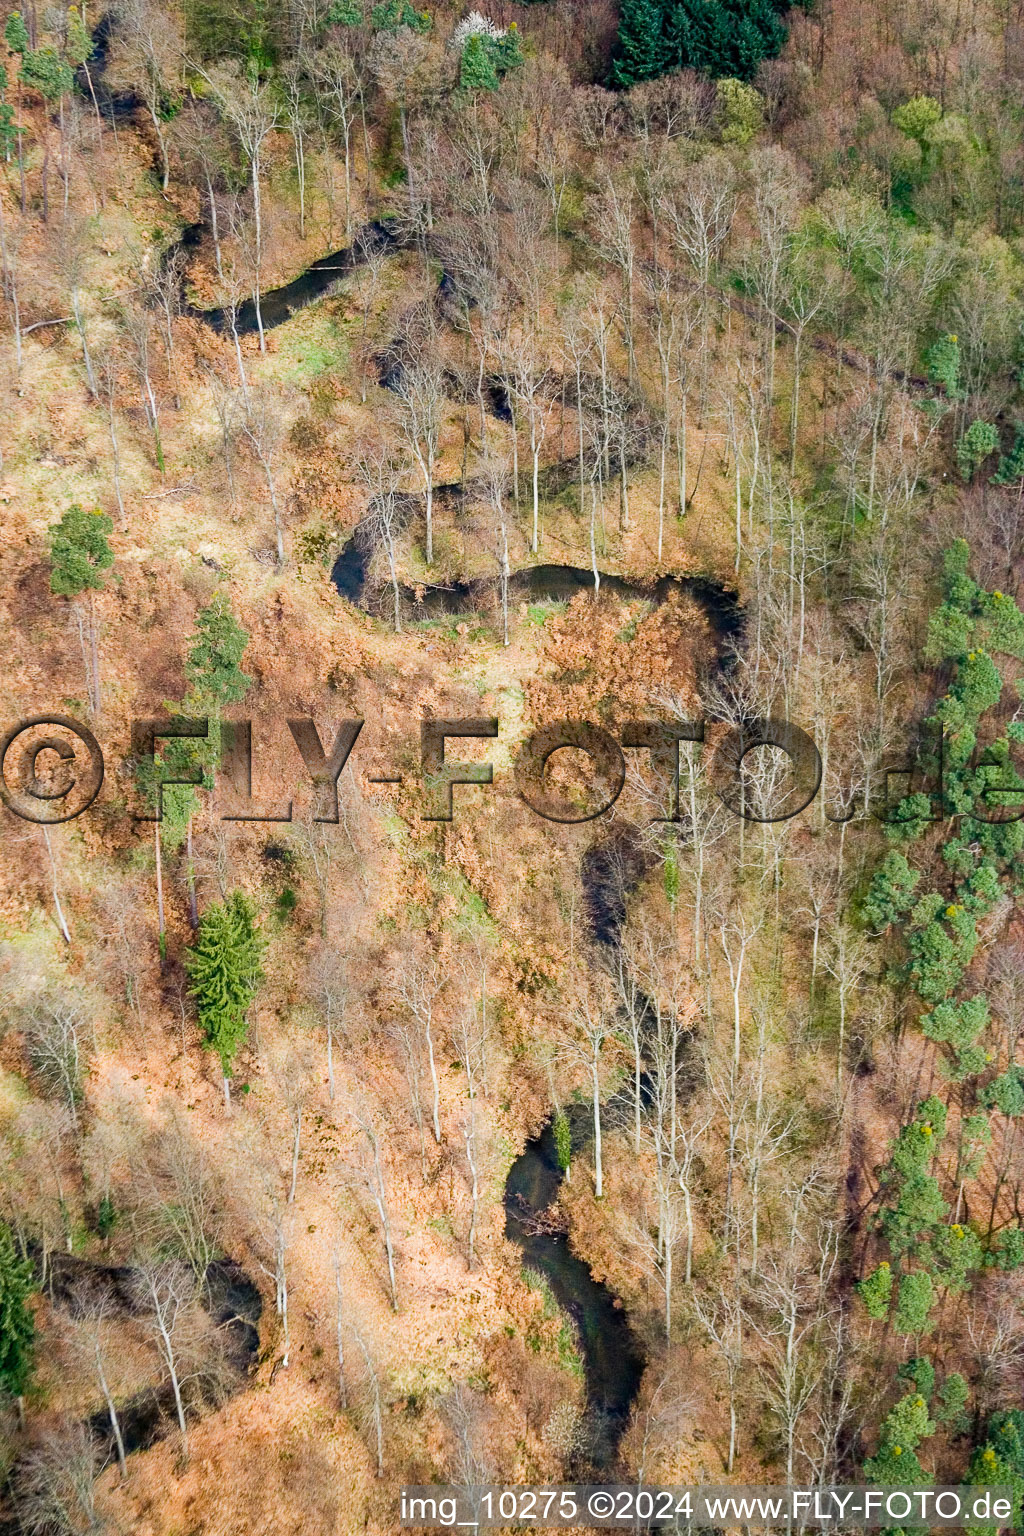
279	304
234	1305
613	1359
534	583
112	104
610	869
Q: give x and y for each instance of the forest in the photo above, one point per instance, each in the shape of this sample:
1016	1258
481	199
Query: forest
512	799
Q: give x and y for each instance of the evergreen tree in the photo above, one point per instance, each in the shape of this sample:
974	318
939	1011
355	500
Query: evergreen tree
1000	1461
79	551
875	1290
914	1302
477	67
16	33
17	1325
920	1372
391	15
43	70
8	130
214	675
905	1426
80	44
953	1399
891	892
640	51
215	679
225	969
1008	1252
980	439
942	359
723	38
79	554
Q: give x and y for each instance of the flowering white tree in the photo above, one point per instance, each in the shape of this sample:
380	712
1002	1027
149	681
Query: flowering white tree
474	25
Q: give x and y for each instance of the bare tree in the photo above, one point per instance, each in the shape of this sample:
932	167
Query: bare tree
381	473
165	293
529	382
736	938
847	958
699	215
722	1318
795	1313
469	1133
298	123
666	1404
467	1414
167	1291
137	322
72	252
92	1311
253	109
200	140
494	475
417	983
418	384
997	1347
183	1193
338	93
339	1295
373	259
107	372
375	1406
150	49
262	426
9	242
374	1179
593	1025
55	1485
329	980
57	1029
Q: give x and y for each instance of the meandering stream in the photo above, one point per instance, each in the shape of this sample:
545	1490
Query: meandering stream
613	1356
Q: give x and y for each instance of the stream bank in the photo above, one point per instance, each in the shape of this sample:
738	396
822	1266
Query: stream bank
612	866
532	583
234	1305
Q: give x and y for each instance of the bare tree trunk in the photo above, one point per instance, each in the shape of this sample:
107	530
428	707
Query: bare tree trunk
339	1296
429	492
56	893
593	538
115	452
296	1142
598	1168
238	351
193	905
380	1201
469	1132
76	311
94	654
111	1410
434	1082
376	1410
282	1292
11	288
161	925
